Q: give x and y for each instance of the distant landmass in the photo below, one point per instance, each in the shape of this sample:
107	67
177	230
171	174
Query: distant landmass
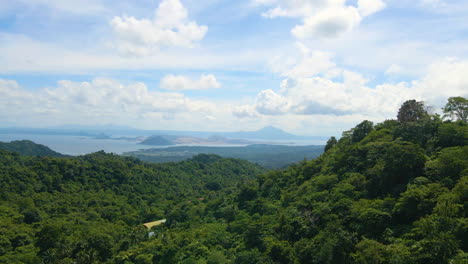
29	148
157	141
268	156
187	140
266	133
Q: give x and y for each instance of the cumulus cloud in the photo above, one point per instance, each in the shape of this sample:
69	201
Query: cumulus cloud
322	18
180	83
245	111
302	62
351	95
103	99
169	27
310	64
328	23
271	103
369	7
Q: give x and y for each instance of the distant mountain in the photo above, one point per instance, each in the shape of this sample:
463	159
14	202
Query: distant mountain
157	141
29	148
187	140
269	133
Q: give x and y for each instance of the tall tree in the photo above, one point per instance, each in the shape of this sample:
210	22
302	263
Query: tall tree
361	131
411	111
330	143
456	107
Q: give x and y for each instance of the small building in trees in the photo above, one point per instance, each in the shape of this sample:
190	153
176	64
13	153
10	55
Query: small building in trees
155	223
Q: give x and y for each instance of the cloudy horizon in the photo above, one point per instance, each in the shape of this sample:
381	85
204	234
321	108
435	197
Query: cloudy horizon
310	67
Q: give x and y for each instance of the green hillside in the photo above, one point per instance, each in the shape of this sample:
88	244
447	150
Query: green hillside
393	192
27	147
86	209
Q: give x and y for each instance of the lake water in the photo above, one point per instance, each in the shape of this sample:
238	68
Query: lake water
77	145
80	145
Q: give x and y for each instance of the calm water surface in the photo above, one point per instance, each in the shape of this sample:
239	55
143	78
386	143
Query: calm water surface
77	145
80	145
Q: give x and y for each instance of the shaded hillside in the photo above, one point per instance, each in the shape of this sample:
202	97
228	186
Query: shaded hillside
29	148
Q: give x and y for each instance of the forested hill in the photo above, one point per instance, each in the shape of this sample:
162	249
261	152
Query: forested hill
393	192
85	209
27	147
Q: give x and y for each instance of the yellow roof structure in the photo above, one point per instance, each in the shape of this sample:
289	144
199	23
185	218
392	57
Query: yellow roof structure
155	223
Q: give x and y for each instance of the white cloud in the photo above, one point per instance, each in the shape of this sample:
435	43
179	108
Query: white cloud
271	103
321	96
301	62
245	111
8	87
444	78
310	64
170	27
322	18
100	99
369	7
329	23
180	83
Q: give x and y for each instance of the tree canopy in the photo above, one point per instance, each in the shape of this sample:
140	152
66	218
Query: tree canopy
456	107
411	111
380	194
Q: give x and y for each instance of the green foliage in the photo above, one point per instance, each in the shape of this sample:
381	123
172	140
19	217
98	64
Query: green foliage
381	194
452	135
27	147
330	143
372	252
448	165
456	107
361	131
85	209
411	111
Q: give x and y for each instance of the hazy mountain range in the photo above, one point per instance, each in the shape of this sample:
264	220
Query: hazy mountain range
266	133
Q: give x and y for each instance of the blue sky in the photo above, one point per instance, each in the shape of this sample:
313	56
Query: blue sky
312	67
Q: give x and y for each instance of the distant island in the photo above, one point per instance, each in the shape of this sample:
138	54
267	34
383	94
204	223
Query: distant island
157	141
